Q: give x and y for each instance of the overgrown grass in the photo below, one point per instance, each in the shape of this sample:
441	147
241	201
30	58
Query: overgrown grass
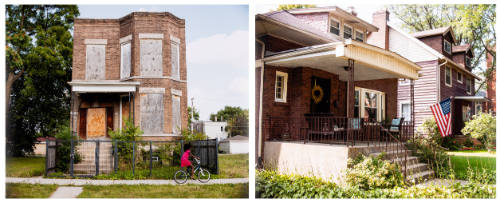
166	191
477	163
25	166
21	190
230	166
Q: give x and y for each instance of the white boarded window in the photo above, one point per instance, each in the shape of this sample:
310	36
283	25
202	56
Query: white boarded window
126	59
95	62
175	60
151	57
176	114
280	86
152	113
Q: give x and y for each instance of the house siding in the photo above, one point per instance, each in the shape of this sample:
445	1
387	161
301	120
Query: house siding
316	20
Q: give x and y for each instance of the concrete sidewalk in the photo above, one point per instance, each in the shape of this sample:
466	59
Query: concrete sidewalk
67	192
49	181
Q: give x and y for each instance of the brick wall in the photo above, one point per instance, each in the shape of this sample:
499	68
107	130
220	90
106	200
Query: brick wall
134	24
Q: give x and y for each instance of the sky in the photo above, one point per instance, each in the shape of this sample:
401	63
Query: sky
216	49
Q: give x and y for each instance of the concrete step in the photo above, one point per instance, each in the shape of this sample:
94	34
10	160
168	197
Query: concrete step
420	177
416	168
391	154
410	160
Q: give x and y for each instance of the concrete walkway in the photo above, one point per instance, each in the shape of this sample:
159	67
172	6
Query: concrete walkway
118	182
441	182
67	192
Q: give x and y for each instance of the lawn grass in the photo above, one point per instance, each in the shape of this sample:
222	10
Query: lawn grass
166	191
230	166
25	166
21	190
461	163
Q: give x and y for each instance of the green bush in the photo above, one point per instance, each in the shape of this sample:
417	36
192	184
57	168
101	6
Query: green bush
468	142
127	135
368	173
430	128
482	126
270	184
63	149
481	175
430	152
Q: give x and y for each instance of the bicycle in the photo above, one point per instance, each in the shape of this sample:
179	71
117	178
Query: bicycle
203	175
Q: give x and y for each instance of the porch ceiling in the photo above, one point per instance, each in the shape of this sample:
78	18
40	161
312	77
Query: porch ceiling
371	63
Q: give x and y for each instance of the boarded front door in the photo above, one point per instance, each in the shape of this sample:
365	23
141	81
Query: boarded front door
320	95
96	122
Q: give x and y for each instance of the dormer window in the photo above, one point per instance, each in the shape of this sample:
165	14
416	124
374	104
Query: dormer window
347	32
468	61
334	27
360	36
447	46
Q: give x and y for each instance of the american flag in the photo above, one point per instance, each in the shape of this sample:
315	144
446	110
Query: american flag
442	115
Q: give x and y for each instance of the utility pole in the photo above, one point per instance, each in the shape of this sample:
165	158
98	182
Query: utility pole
192	114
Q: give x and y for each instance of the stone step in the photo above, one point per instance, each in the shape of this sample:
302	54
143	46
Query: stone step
416	168
420	177
391	154
410	160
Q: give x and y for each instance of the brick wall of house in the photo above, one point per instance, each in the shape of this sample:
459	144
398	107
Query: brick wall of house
459	58
491	87
435	42
316	20
134	24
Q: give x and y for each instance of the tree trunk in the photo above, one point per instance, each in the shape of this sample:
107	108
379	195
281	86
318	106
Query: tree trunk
8	88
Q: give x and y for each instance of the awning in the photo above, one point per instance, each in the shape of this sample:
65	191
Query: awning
472	98
371	62
105	86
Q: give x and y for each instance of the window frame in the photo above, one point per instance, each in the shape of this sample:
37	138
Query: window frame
129	43
461	81
343	32
444	46
468	61
446	68
330	26
468	85
283	88
356	31
401	109
380	103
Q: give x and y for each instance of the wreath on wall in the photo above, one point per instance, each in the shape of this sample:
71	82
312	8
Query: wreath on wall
317	93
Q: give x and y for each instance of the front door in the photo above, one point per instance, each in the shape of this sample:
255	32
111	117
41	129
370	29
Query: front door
320	95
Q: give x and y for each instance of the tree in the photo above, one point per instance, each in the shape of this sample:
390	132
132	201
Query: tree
473	24
236	118
482	126
294	6
39	49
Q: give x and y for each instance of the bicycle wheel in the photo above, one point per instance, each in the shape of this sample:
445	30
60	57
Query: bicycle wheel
203	175
180	177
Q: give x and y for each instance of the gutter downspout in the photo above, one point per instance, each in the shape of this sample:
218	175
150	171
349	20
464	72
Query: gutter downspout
261	93
438	79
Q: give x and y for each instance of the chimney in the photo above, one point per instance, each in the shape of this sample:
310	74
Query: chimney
380	38
352	11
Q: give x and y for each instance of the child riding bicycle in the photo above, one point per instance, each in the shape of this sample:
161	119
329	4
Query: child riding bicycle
185	159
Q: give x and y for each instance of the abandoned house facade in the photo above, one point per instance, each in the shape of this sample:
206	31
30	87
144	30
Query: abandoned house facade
446	71
323	94
129	68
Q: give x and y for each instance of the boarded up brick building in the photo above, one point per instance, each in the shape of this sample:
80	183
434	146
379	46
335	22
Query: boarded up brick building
132	67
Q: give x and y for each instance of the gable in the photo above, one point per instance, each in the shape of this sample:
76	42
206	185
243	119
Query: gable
407	48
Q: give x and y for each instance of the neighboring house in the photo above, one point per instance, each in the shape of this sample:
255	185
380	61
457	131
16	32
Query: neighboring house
491	87
234	145
446	70
318	81
212	129
132	67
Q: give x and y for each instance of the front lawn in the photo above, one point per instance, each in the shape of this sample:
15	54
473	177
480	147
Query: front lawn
21	190
166	191
233	166
460	164
25	166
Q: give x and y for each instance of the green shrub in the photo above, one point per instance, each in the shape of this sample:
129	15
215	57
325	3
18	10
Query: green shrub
127	135
468	142
63	149
430	152
369	173
430	128
481	175
270	184
482	126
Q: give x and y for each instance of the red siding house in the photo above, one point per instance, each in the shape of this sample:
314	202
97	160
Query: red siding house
323	94
445	71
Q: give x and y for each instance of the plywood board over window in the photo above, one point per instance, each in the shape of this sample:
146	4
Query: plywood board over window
176	114
152	113
95	62
175	57
96	122
125	60
151	57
